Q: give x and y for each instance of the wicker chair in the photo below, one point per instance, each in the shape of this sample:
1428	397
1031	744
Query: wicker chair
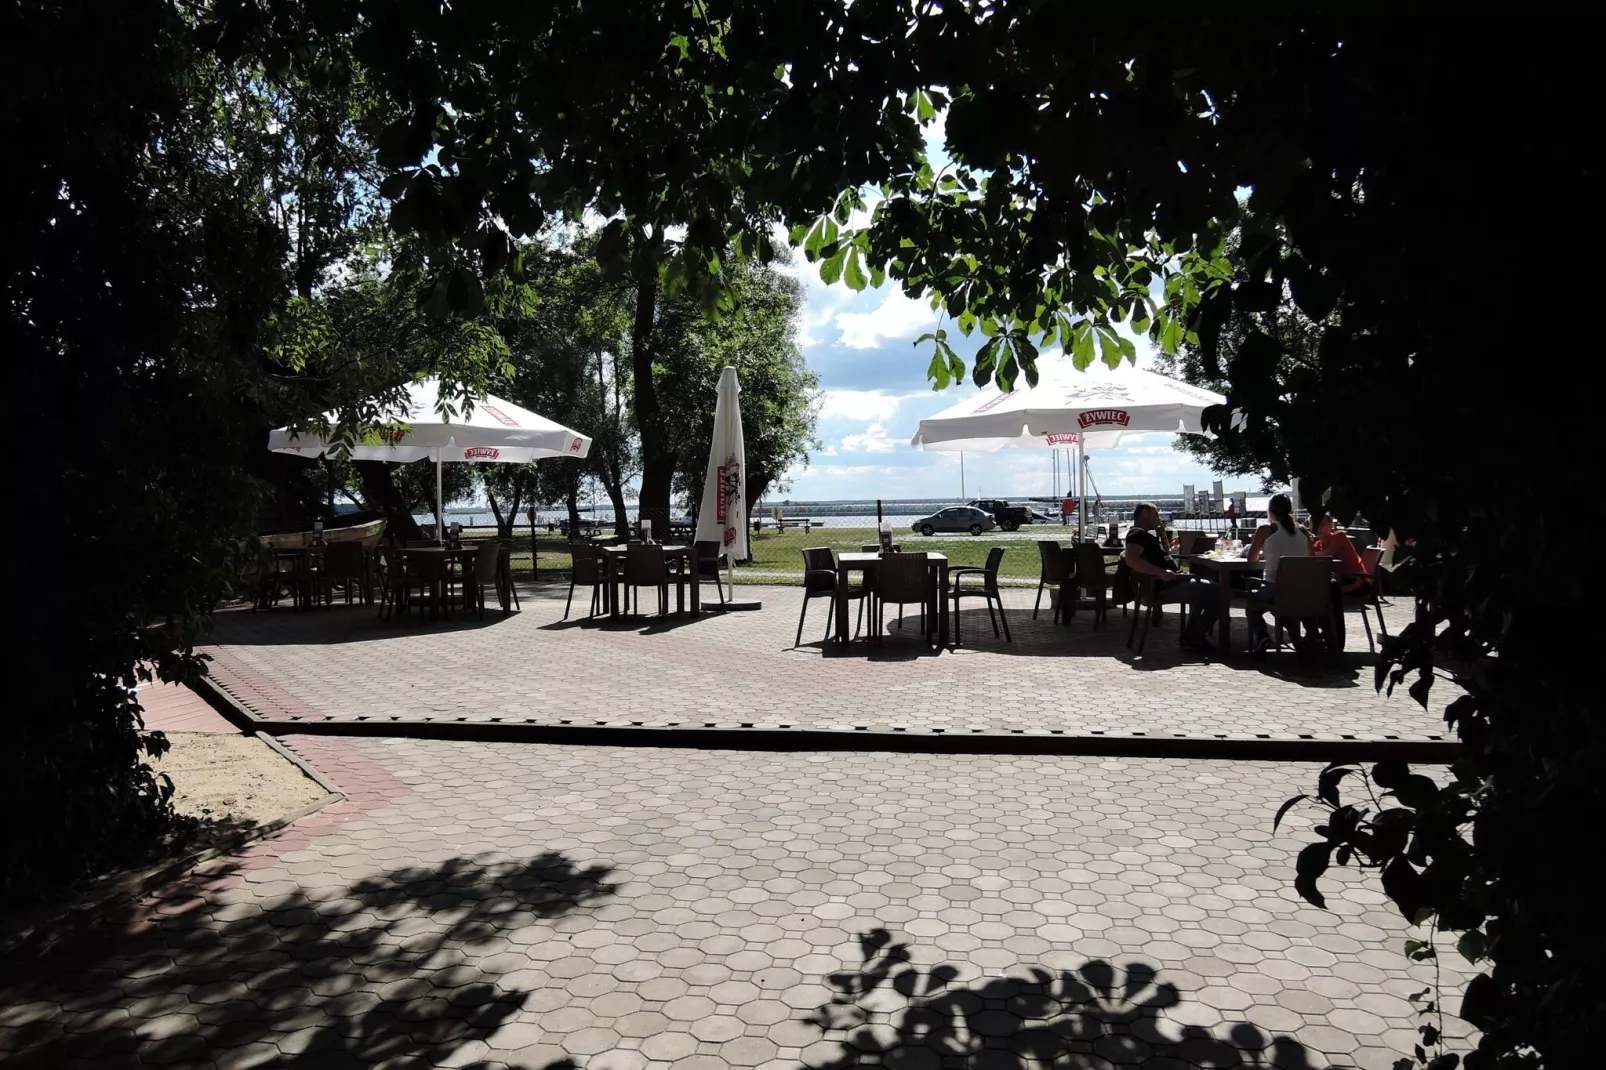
485	568
709	555
646	566
403	576
819	581
988	591
346	564
1092	579
1303	592
1057	569
585	567
1370	596
901	579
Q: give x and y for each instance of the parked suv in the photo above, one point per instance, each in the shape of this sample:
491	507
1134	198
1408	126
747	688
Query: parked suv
1009	517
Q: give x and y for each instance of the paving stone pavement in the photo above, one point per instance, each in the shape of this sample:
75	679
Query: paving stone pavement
514	905
741	669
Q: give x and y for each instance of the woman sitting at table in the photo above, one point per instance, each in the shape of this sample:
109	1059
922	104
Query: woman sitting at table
1332	541
1280	537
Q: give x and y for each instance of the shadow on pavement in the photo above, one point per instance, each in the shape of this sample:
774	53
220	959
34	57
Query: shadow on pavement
339	977
890	1013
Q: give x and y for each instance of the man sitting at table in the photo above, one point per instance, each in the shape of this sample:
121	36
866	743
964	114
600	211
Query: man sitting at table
1145	556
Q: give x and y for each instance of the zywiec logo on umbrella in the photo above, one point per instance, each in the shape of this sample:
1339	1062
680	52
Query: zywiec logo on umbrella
1103	416
1069	438
391	435
729	496
474	453
574	447
499	416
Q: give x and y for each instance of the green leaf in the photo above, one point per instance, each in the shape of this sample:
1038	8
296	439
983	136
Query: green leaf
1109	349
925	112
854	274
1311	864
1473	945
831	267
1082	346
1282	811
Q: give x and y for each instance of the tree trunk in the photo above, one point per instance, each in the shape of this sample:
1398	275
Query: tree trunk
657	459
380	490
572	499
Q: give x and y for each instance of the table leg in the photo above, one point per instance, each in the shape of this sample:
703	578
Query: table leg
615	589
1224	612
680	589
942	606
695	584
842	632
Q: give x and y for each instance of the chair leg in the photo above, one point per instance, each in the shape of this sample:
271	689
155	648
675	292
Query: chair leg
1039	603
800	618
957	604
989	600
1144	638
1371	644
1003	619
858	624
830	614
1137	614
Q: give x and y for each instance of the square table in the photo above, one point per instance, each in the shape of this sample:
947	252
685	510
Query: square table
446	555
613	560
866	563
1222	569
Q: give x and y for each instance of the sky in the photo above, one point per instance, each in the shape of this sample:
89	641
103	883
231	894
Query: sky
875	393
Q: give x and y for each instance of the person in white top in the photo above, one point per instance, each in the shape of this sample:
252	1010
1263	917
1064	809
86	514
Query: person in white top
1279	538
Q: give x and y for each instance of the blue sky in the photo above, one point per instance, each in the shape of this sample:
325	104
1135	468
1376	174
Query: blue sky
876	392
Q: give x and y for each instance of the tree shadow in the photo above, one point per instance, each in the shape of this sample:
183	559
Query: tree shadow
398	967
340	624
891	1013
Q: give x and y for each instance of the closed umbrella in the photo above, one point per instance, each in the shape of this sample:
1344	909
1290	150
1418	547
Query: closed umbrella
496	431
722	517
1094	409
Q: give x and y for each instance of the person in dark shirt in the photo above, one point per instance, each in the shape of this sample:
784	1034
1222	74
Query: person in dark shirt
1145	556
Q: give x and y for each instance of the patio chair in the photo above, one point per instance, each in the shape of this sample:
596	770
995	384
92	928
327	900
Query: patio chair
403	577
1304	592
709	555
1195	542
901	579
484	569
346	564
819	581
1370	596
875	548
988	591
646	566
585	567
1146	603
1093	580
1057	568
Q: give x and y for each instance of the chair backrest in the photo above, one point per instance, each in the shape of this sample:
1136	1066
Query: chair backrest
995	558
903	578
1056	562
875	548
1203	543
1090	565
584	562
819	569
485	560
1369	559
644	564
1304	587
344	559
707	549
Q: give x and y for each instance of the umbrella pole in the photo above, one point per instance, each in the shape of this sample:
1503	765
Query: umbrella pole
730	578
440	511
1081	490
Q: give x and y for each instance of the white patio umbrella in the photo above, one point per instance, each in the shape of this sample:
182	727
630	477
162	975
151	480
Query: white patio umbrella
1093	409
722	517
496	431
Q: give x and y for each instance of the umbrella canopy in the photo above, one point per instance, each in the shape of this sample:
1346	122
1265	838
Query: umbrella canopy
1101	405
496	431
723	515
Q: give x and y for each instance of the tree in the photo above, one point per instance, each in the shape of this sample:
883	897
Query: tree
779	392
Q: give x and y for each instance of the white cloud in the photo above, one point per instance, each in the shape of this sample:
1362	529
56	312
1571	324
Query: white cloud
897	318
874	440
862	405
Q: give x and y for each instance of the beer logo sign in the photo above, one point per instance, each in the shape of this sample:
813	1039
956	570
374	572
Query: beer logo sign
1069	438
474	453
1099	417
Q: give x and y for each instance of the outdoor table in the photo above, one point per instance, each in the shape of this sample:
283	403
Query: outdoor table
936	563
446	555
613	562
1221	570
301	558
